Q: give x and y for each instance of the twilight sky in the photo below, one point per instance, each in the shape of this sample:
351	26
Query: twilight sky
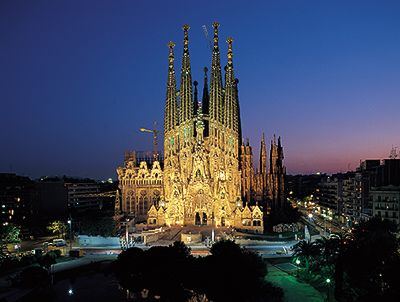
78	78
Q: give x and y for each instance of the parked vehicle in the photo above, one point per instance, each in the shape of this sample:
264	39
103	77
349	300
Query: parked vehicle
59	242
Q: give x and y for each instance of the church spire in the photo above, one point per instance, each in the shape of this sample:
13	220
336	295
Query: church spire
230	90
170	114
263	156
186	111
195	99
263	161
216	110
236	118
205	101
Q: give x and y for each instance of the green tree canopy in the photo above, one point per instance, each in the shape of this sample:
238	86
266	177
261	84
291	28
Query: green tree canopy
9	234
58	228
230	273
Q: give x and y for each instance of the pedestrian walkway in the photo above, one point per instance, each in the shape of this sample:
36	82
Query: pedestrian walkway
294	290
87	259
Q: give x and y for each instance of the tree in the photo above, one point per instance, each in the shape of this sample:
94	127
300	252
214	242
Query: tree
333	253
372	262
9	234
58	228
230	273
308	252
161	270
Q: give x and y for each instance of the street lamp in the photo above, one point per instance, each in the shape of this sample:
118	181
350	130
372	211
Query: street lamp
297	267
69	221
328	294
70	292
127	232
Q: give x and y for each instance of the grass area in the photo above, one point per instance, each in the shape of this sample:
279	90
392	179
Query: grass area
294	290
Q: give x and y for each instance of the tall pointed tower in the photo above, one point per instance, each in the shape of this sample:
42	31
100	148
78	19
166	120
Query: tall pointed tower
186	99
216	94
247	169
170	113
171	117
230	90
263	169
276	176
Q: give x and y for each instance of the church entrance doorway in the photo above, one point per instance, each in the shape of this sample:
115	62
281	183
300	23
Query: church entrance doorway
200	218
204	220
197	220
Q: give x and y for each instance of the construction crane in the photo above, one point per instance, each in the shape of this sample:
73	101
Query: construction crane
155	142
207	37
393	153
100	194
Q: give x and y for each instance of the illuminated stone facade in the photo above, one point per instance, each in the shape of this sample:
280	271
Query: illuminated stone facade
141	187
207	176
276	175
262	185
202	179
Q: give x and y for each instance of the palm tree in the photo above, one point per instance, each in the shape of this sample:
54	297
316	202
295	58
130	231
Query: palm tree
308	252
333	251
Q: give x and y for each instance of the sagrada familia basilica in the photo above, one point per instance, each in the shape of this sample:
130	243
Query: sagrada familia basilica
207	176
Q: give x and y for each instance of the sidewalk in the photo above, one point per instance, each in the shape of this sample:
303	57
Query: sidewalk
294	291
67	265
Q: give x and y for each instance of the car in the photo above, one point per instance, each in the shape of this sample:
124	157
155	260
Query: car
59	242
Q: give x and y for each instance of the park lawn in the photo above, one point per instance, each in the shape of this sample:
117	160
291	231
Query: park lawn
294	290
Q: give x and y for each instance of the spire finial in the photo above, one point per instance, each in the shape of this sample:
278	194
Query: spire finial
230	52
185	28
171	46
215	26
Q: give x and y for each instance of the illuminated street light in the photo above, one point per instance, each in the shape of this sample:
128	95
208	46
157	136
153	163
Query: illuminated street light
297	261
328	280
70	292
69	221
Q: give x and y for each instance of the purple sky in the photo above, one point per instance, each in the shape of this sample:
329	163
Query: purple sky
78	78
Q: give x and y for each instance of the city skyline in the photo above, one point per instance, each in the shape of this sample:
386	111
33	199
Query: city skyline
321	76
